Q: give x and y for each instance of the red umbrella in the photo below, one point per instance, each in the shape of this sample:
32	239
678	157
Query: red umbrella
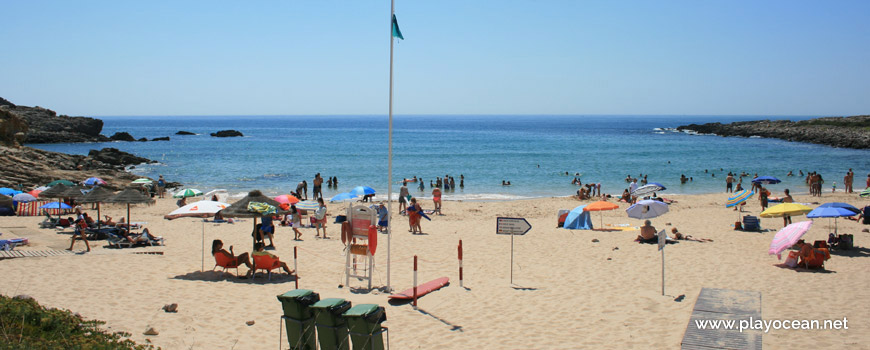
287	198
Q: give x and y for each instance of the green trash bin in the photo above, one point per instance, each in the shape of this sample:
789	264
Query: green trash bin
299	318
331	327
364	322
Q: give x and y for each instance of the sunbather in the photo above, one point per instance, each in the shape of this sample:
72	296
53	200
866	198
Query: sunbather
261	251
217	248
680	236
647	233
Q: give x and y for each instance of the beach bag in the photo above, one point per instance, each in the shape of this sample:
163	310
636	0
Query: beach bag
845	242
792	259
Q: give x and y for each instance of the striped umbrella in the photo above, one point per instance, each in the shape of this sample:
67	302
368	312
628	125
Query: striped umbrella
738	198
647	189
787	237
865	193
308	205
188	192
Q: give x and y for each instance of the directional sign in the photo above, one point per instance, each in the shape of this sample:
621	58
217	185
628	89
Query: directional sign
512	226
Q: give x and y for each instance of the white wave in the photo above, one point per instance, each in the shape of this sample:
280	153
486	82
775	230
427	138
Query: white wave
657	129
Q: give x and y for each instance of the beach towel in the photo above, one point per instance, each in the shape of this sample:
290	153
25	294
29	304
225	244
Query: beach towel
262	208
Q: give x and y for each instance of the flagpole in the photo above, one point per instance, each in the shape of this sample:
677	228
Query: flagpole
390	150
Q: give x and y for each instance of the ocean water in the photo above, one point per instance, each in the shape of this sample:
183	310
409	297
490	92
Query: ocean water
532	152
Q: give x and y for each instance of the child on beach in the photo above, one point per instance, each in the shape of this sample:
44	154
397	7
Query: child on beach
436	197
320	218
295	222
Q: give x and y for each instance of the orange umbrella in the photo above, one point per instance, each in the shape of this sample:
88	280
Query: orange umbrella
287	198
601	206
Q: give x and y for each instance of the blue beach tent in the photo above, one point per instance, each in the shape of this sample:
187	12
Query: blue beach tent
578	219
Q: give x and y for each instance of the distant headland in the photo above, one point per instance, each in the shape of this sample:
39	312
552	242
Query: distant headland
843	132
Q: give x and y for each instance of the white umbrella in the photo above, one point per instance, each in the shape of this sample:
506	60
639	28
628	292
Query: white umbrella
201	209
647	209
644	190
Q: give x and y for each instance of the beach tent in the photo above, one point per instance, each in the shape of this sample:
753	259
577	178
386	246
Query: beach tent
578	219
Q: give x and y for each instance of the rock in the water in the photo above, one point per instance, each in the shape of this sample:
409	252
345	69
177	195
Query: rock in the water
846	132
122	136
182	132
227	133
160	138
144	139
114	156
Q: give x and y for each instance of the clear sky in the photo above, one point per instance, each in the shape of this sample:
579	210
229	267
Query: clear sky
102	58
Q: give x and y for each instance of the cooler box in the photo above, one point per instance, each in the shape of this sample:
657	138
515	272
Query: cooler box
364	322
299	318
331	327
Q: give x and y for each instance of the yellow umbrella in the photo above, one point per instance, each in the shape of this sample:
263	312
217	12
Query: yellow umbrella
786	209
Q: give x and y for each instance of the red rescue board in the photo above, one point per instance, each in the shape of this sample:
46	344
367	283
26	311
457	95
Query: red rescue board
422	289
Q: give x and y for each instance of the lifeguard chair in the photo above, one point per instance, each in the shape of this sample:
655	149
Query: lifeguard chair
359	233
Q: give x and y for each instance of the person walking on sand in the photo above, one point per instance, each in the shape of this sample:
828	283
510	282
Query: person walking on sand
305	189
315	189
295	222
81	225
847	182
161	187
631	189
403	197
729	183
762	197
320	218
786	219
436	197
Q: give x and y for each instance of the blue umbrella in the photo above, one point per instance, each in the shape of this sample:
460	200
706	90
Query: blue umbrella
658	184
830	212
362	190
6	191
647	209
342	197
55	205
841	205
767	180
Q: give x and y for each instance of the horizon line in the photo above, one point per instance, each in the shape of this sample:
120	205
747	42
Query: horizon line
466	115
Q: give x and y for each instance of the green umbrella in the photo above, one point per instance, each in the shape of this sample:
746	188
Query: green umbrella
60	182
190	192
865	193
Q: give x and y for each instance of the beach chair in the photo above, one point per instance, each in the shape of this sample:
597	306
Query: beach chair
117	241
223	261
751	223
10	244
361	224
265	262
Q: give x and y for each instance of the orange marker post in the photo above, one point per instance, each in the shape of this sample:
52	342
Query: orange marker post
460	263
295	267
415	281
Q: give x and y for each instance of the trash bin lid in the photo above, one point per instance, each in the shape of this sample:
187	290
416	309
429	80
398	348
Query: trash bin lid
361	310
296	293
329	303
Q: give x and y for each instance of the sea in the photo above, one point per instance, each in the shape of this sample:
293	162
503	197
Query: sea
539	155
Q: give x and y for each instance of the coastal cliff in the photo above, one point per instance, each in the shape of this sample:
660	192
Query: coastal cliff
843	132
45	126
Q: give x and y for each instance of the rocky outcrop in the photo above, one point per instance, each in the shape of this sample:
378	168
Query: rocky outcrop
227	133
122	136
113	156
165	138
32	167
45	126
182	132
844	132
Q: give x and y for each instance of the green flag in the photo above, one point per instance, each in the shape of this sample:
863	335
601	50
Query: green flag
396	32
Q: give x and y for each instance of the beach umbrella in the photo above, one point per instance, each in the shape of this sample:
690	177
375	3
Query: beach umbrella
841	205
201	209
94	181
74	192
23	198
601	206
60	182
142	181
56	191
767	180
130	196
55	205
239	209
785	209
647	189
212	193
97	195
738	198
188	192
647	209
6	191
787	237
308	205
287	199
35	192
361	191
831	212
865	193
341	197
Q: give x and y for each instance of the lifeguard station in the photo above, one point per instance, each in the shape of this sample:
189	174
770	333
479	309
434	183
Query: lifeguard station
360	225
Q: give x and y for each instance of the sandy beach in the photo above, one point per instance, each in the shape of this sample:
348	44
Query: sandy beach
569	292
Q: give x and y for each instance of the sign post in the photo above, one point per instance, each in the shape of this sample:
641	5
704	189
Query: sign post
513	227
663	240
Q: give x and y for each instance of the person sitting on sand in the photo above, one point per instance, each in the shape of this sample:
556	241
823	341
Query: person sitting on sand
261	251
680	236
647	233
217	247
626	196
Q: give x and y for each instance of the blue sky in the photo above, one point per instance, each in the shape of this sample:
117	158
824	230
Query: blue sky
103	58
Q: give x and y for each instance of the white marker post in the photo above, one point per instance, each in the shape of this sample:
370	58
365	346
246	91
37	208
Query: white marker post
663	240
513	227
